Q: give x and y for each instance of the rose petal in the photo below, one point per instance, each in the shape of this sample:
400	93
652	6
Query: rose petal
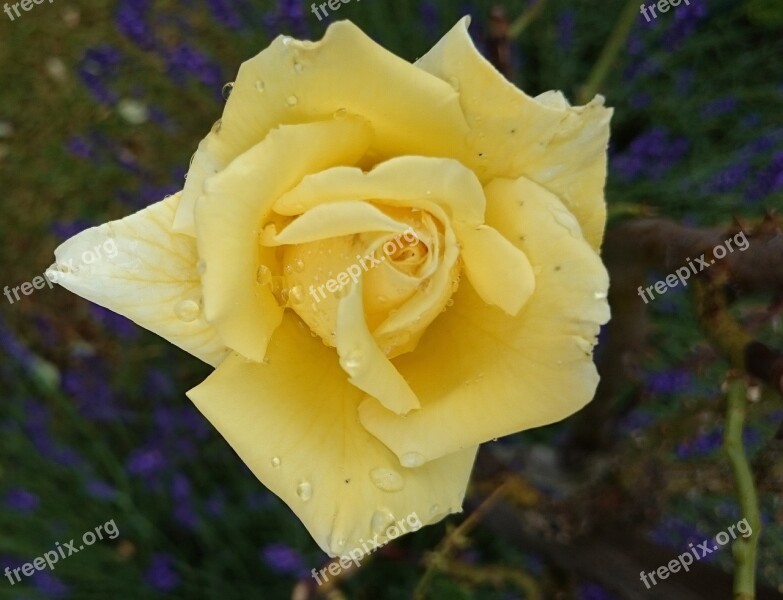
232	209
152	279
498	270
559	146
360	357
299	413
479	373
334	220
405	181
379	86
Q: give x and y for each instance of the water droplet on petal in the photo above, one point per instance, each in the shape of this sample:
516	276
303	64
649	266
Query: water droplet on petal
340	113
599	295
263	275
227	89
288	270
287	40
276	462
299	265
352	360
336	544
298	67
201	267
217	126
450	302
187	310
292	100
296	294
434	510
260	86
387	479
381	519
304	490
412	459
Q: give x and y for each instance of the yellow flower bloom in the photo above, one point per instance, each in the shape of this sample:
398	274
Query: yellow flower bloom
357	368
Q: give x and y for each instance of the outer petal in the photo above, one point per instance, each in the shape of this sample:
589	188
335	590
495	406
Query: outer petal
480	373
300	82
231	212
151	279
559	146
294	423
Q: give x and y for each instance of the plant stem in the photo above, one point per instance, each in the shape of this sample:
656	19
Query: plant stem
519	24
609	53
454	539
745	548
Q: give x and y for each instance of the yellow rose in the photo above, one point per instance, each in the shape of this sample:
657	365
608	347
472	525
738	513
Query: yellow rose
387	263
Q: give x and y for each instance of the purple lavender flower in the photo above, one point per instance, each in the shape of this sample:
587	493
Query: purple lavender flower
226	13
21	500
100	490
132	20
88	383
674	381
593	591
768	181
146	462
283	559
719	106
49	585
685	20
566	24
97	66
161	574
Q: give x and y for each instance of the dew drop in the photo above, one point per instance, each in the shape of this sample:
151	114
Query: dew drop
299	265
263	275
260	86
227	89
187	310
387	479
340	112
276	462
450	302
434	510
201	267
217	126
288	270
298	67
292	100
287	40
380	520
352	360
284	296
296	294
599	295
412	459
304	490
336	544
